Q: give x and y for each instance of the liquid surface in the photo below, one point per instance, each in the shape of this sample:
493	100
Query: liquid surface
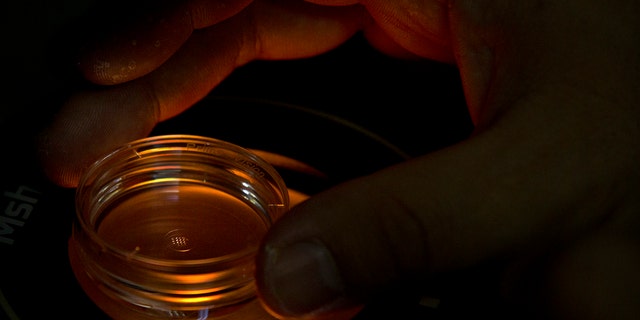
182	223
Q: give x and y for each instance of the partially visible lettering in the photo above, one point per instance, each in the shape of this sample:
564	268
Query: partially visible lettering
20	206
252	166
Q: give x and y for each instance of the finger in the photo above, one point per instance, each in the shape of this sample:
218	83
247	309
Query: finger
85	128
133	49
265	30
507	191
407	28
421	27
89	125
334	2
597	278
382	42
134	40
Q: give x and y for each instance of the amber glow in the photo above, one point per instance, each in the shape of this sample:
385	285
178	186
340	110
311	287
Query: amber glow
170	229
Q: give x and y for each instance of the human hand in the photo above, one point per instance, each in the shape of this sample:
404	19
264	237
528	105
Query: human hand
546	185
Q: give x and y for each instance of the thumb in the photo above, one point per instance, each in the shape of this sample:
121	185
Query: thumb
348	243
446	211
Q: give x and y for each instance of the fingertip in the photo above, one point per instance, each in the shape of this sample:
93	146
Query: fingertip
300	279
300	273
124	44
87	127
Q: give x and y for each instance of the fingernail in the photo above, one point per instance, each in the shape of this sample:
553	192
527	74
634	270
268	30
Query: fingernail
301	279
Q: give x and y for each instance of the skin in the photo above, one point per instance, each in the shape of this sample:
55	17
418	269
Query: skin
547	184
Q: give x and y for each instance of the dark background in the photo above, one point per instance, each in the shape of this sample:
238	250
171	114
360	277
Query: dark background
349	112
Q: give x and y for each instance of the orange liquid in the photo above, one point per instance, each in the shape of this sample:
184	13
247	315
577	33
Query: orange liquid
182	222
